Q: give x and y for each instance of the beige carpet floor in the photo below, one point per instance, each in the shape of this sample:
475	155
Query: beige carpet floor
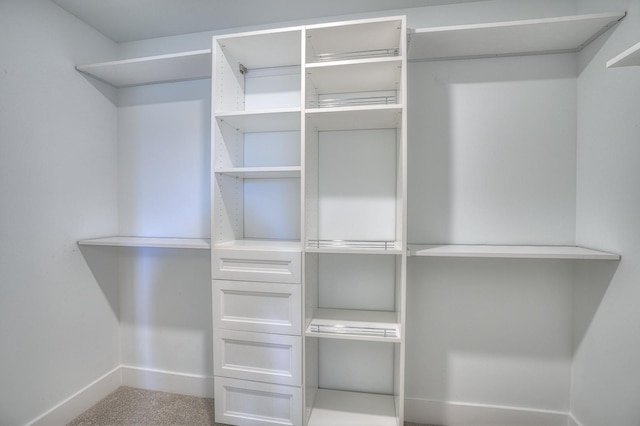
138	407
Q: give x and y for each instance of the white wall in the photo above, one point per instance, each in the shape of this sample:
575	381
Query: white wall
58	183
606	372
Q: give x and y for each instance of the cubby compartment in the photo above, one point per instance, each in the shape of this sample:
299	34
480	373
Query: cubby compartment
354	190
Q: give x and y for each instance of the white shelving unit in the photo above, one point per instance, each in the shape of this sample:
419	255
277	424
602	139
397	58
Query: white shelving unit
628	58
186	243
533	36
191	65
355	202
510	252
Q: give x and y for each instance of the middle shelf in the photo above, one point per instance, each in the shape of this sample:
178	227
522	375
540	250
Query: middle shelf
354	325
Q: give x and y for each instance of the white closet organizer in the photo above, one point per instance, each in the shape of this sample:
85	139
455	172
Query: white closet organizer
256	226
355	185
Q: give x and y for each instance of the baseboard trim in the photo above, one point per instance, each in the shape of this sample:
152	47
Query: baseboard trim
80	401
167	381
458	413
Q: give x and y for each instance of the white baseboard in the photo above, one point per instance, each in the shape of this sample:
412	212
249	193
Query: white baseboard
80	401
464	414
167	381
125	375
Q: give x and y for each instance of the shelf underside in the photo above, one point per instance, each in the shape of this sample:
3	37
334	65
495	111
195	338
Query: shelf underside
333	407
152	69
510	251
547	35
188	243
354	247
628	58
355	117
354	325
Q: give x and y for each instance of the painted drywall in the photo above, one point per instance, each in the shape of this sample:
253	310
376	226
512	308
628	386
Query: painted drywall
164	191
606	373
58	184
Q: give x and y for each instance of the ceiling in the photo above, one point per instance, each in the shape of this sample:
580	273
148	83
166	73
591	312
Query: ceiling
129	20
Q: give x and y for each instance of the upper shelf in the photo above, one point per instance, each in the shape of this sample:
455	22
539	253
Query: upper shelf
628	58
189	243
510	252
152	69
547	35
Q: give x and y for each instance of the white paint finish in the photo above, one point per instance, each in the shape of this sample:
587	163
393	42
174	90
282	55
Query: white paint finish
58	183
168	381
164	172
263	49
242	402
357	185
253	264
187	243
350	324
352	409
283	119
272	88
261	357
557	34
629	58
80	401
358	75
349	365
492	151
258	307
276	148
511	252
355	117
356	281
495	331
262	172
152	69
606	374
165	310
262	245
460	413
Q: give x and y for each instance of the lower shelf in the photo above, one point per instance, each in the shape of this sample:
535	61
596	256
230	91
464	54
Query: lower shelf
332	407
354	325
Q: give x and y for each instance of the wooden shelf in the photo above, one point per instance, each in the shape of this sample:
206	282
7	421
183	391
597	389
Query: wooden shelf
186	243
628	58
264	245
333	407
277	120
547	35
357	75
510	252
356	117
354	325
152	69
262	172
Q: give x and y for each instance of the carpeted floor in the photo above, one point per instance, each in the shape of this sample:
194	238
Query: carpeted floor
131	406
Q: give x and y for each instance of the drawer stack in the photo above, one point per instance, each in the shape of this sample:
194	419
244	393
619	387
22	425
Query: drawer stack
257	336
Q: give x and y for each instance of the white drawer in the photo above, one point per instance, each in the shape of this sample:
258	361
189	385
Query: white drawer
257	265
271	358
255	306
240	402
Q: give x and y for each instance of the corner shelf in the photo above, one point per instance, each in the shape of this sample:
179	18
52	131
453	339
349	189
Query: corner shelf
563	34
191	65
628	58
510	252
186	243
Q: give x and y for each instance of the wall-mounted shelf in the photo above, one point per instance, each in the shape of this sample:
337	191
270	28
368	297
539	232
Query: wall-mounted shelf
188	243
262	172
533	36
510	252
191	65
628	58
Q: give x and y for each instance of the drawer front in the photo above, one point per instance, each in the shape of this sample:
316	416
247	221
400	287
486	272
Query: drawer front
270	358
260	307
240	402
257	265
